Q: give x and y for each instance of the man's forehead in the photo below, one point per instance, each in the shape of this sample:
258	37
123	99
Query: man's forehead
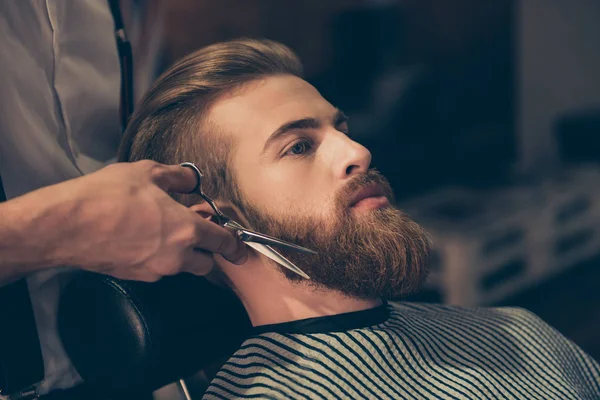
263	106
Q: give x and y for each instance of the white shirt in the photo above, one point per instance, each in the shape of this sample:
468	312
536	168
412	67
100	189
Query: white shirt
59	119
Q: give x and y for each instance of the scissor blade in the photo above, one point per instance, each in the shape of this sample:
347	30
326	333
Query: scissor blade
247	235
277	257
251	236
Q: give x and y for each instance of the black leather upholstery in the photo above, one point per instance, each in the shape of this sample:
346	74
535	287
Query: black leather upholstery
134	337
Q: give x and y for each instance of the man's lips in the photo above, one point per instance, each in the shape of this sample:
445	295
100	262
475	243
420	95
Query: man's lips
371	191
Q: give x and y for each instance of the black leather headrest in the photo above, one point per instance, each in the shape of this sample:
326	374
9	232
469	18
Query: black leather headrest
134	337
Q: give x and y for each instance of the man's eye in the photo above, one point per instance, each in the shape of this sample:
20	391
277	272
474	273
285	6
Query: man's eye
299	148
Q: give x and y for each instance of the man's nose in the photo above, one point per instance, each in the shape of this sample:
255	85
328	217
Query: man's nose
355	159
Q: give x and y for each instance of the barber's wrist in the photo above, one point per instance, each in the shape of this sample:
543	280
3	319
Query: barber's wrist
33	232
58	225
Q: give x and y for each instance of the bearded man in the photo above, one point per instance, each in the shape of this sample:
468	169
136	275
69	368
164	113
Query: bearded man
278	158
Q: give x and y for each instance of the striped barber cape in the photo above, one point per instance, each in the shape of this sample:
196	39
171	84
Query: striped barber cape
410	351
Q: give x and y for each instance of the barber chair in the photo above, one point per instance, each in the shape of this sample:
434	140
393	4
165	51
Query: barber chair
127	339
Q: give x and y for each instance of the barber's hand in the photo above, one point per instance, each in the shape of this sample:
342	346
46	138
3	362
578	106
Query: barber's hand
124	224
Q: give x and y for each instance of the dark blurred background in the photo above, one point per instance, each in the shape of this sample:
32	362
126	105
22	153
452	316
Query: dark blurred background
483	114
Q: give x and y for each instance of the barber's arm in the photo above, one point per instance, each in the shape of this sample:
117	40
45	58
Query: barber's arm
117	221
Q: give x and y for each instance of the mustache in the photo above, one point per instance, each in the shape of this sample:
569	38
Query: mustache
359	182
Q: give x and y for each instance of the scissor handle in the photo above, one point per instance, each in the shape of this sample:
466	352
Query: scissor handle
223	219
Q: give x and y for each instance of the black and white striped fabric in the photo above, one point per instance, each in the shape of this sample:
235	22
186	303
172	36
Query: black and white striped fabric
419	351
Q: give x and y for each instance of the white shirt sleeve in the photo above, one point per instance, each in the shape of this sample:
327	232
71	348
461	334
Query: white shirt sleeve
59	118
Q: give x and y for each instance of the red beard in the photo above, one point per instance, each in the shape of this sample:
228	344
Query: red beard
379	253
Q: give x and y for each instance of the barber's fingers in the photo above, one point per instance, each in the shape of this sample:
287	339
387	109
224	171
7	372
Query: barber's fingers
173	178
216	239
198	262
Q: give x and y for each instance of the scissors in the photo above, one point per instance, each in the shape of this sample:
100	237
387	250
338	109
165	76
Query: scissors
258	241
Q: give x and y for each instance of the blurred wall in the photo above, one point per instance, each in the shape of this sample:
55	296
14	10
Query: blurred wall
302	25
559	52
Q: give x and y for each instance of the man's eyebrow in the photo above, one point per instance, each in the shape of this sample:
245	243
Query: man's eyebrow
288	127
304	123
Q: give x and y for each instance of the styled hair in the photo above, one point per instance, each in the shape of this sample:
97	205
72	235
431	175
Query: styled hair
169	124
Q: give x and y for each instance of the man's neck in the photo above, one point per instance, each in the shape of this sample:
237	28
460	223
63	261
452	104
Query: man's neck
269	298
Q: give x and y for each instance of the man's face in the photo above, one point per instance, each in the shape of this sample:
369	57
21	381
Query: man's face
301	178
